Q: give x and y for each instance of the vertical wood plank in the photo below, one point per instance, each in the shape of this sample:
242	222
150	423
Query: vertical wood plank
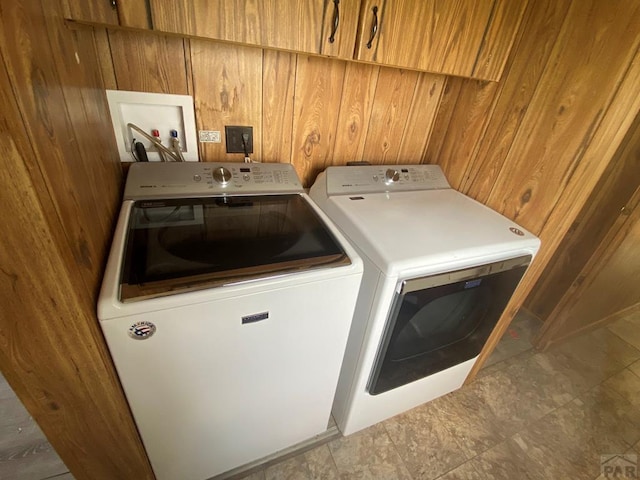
290	25
471	110
227	88
60	188
606	285
601	211
148	63
134	13
99	11
317	103
391	106
544	20
617	119
80	173
505	21
358	91
345	37
422	115
278	85
49	347
103	50
566	109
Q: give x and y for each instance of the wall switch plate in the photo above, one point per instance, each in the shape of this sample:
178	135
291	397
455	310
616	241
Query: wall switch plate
233	138
152	111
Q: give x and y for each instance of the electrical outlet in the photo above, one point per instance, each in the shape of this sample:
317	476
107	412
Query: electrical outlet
233	139
152	111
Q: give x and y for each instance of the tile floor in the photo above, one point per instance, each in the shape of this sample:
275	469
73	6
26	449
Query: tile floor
528	415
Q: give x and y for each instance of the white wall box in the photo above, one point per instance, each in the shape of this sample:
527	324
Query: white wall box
149	111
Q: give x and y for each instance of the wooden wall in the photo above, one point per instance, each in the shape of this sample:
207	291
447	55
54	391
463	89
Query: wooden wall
59	190
309	111
593	275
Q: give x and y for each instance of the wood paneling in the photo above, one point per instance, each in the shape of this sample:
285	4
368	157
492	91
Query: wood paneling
133	13
559	122
543	21
595	142
99	11
278	84
465	110
389	114
290	25
227	90
462	37
57	61
504	23
316	110
60	188
601	211
166	54
606	286
358	92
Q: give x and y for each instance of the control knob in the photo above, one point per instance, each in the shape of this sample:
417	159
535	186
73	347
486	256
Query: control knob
221	175
391	176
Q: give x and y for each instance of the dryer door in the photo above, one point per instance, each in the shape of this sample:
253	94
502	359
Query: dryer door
179	245
440	321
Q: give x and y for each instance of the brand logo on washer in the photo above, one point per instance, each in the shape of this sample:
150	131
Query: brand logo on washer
517	231
142	330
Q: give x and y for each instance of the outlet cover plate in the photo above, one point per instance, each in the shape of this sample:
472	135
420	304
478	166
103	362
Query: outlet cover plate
233	138
150	111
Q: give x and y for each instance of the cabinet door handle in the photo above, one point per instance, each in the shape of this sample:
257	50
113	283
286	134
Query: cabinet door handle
336	20
374	26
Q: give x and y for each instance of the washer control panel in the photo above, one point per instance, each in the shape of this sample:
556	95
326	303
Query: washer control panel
384	178
178	179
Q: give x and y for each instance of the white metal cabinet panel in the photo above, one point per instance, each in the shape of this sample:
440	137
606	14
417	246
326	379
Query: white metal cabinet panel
209	393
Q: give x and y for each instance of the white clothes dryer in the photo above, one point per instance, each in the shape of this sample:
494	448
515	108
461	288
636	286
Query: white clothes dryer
226	304
439	269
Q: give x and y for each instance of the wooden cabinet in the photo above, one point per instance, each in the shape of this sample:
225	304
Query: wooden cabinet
125	13
470	38
301	26
98	11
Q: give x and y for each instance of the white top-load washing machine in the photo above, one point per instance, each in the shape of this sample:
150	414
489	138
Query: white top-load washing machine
226	305
439	269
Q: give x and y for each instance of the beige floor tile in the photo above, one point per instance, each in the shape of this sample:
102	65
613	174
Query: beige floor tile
316	464
517	338
628	329
423	441
569	443
368	455
513	401
627	384
608	414
507	461
466	471
635	368
471	422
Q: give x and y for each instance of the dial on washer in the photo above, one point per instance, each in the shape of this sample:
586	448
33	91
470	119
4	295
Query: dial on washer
391	176
222	175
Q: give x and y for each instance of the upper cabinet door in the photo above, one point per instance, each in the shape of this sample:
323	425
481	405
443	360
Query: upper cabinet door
286	24
339	29
470	38
95	11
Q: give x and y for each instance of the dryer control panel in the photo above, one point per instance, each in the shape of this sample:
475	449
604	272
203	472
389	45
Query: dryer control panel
384	178
178	179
